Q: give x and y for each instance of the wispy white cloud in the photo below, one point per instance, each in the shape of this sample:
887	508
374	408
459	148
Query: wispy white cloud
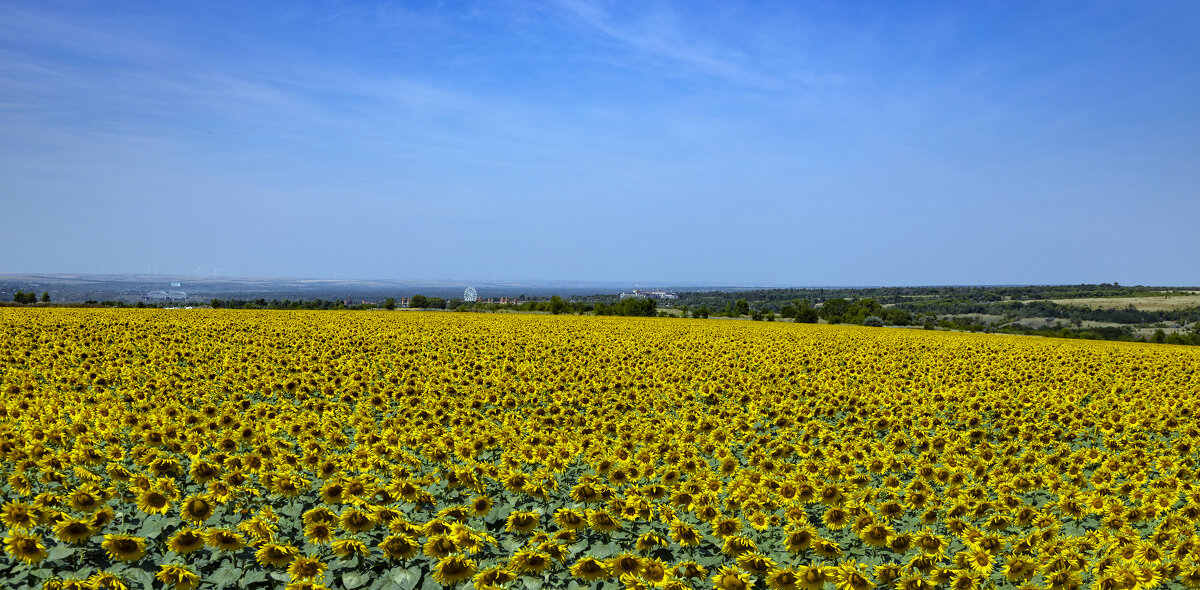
661	35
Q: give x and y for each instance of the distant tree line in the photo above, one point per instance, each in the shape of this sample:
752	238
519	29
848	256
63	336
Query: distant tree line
26	298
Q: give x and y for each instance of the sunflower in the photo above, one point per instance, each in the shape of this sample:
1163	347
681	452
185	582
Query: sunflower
453	569
783	579
887	573
875	535
320	514
569	519
798	541
197	509
18	515
306	569
655	571
107	581
623	564
849	576
177	577
396	547
648	541
812	577
835	518
726	527
224	539
332	492
319	533
530	562
356	521
276	555
586	493
731	578
685	534
521	522
930	543
690	570
481	506
603	522
735	545
124	548
1019	569
153	501
73	531
826	548
965	581
204	471
493	577
440	546
85	499
186	541
590	569
347	548
756	563
24	547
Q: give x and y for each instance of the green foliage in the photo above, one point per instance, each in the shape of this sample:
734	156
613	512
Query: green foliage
26	298
741	307
418	302
629	307
389	303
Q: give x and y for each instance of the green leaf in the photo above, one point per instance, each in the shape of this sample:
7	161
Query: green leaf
138	578
225	576
60	553
353	580
531	583
430	583
152	526
254	576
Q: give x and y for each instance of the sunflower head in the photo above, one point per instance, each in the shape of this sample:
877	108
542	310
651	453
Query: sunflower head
731	578
453	569
73	531
25	547
590	569
177	577
397	547
276	555
306	569
124	548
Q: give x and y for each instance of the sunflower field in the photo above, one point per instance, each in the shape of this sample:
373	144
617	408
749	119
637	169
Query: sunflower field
401	450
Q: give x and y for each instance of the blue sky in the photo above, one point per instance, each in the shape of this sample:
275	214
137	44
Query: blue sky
756	143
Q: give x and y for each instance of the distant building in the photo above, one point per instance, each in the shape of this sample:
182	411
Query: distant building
164	296
660	295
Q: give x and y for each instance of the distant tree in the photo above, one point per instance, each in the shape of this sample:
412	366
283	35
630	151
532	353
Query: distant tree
873	320
1159	337
769	315
418	302
557	305
833	310
436	303
741	307
389	303
45	297
19	297
702	312
806	313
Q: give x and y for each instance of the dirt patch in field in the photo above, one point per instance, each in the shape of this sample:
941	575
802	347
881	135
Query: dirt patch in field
1151	303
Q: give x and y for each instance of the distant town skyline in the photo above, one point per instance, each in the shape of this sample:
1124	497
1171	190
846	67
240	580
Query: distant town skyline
651	143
